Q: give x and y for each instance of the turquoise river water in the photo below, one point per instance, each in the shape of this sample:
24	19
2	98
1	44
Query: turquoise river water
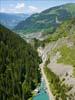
42	95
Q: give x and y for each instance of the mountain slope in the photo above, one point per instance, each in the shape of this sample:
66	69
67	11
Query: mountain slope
11	20
65	29
59	59
49	18
19	64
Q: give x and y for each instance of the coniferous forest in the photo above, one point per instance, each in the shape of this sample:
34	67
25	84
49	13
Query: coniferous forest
19	63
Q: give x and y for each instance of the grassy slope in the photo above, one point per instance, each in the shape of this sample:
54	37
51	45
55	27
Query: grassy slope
66	28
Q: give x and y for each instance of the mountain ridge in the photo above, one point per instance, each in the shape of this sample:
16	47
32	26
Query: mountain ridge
50	18
10	20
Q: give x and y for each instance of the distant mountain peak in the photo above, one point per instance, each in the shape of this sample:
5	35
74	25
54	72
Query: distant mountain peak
10	20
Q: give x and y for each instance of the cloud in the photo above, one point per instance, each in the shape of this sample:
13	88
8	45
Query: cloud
18	8
2	10
33	9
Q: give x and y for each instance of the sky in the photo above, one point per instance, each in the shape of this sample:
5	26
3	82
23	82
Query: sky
29	6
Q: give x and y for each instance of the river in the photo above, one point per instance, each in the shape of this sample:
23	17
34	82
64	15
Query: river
42	95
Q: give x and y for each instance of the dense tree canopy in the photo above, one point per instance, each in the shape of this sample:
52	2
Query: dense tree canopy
19	63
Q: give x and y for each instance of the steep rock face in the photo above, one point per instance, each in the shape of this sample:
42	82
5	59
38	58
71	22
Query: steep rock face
49	18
